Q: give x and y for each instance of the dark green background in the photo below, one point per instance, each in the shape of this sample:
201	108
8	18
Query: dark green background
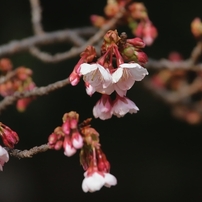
154	156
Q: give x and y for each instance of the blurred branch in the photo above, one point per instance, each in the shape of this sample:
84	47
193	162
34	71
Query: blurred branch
71	35
175	97
28	153
46	57
189	64
74	36
37	91
7	76
36	17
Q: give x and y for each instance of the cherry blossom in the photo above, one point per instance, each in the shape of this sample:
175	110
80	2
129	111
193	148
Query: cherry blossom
125	76
122	106
95	181
97	77
4	157
103	107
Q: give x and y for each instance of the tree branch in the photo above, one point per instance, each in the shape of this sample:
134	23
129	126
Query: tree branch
60	36
28	153
37	91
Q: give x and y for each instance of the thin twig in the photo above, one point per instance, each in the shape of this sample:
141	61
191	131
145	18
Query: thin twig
37	91
7	77
28	153
196	52
36	17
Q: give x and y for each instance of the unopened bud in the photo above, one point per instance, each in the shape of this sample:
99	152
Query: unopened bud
9	137
136	42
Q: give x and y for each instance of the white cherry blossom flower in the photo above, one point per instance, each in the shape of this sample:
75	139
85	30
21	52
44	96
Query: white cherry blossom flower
4	157
93	182
110	180
103	107
122	106
125	76
97	77
96	181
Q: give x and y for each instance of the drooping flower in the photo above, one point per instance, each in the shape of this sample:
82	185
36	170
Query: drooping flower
110	180
4	157
97	77
125	76
103	107
95	181
122	106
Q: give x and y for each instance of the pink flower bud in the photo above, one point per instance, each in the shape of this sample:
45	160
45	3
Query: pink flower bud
196	27
22	104
136	42
58	145
66	127
74	78
73	123
97	21
77	140
142	57
69	150
111	37
5	65
9	137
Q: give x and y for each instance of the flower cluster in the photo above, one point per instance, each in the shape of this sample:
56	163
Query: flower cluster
110	73
67	135
9	138
94	162
73	137
135	15
18	80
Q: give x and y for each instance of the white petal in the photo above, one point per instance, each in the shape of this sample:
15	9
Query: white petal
110	180
90	90
137	71
107	79
69	150
4	157
129	65
86	68
117	75
123	106
119	90
93	183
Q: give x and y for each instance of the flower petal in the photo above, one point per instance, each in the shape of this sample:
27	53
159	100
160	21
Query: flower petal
110	180
117	75
86	68
122	106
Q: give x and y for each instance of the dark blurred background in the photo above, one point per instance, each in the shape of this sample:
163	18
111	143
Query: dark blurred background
154	156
